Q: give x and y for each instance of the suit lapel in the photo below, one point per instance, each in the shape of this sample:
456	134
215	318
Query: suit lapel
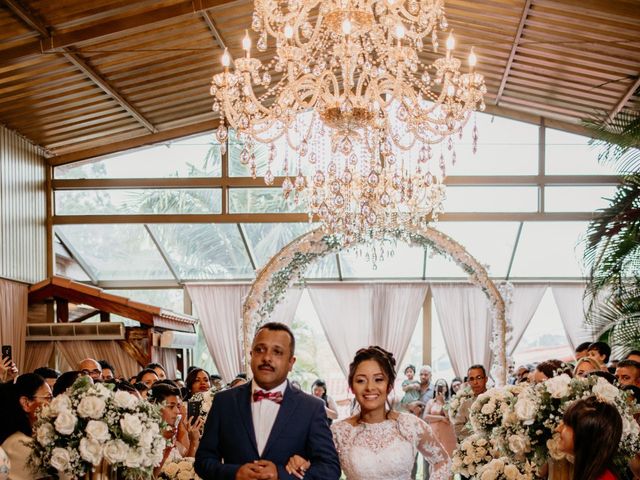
287	409
245	413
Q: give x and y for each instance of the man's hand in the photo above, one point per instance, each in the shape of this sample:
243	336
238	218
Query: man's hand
258	470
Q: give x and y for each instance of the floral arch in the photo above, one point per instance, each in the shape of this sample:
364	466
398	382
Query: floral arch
290	263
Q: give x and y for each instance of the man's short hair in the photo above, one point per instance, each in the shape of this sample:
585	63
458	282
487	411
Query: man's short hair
629	363
279	327
633	352
106	365
583	347
477	367
425	367
602	348
46	372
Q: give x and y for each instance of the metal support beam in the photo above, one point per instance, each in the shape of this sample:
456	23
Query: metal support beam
247	247
163	253
424	263
77	257
339	265
515	248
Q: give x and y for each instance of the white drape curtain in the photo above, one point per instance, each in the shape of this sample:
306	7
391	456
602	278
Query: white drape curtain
168	358
74	352
358	315
39	355
219	308
285	310
463	311
13	318
571	305
524	303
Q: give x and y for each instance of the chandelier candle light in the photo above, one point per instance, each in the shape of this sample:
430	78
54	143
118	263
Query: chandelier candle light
351	120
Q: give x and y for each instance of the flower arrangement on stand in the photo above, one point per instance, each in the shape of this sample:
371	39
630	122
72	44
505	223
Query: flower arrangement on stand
453	407
517	425
90	424
179	470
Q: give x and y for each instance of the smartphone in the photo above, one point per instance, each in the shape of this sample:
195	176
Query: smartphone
193	409
6	351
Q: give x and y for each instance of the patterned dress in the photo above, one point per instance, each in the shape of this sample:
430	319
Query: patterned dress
387	450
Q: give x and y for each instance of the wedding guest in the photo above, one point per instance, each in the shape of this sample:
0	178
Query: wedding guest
159	369
108	372
19	403
147	376
633	355
585	366
601	352
436	416
549	369
426	389
50	375
197	382
216	381
236	382
477	380
456	383
410	387
64	382
590	431
581	350
628	373
92	368
319	389
142	389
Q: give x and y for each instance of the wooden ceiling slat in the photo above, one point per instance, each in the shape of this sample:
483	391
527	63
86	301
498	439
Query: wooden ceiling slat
55	121
102	132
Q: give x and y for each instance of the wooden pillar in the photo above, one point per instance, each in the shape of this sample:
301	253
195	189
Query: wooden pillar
426	328
62	310
105	316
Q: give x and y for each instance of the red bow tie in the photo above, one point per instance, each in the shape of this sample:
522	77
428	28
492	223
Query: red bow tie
259	395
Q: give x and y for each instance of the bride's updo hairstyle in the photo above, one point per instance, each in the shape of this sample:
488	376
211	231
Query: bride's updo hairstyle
383	358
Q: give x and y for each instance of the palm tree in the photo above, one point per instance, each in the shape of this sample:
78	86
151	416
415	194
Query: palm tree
613	239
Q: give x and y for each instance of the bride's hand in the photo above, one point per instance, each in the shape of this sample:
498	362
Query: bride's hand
297	466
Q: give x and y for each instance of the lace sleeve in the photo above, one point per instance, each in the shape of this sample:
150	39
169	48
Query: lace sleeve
430	448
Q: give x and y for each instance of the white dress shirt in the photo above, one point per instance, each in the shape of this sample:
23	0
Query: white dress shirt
264	414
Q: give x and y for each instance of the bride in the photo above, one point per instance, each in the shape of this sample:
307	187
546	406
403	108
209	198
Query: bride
379	443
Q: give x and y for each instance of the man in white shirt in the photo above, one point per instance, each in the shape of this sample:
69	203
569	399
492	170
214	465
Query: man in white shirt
253	430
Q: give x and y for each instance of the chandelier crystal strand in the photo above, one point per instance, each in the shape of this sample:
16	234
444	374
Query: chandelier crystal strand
350	109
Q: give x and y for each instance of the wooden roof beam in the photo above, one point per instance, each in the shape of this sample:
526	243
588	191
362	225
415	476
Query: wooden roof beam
625	98
514	48
109	28
27	17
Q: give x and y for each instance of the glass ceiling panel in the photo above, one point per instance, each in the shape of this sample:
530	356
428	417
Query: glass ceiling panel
323	269
550	249
262	200
266	239
138	201
406	262
569	154
117	252
191	157
491	243
169	299
497	154
491	199
65	264
577	199
205	251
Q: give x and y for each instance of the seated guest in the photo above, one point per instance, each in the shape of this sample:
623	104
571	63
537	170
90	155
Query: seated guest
585	366
633	355
19	403
197	382
92	368
601	352
65	381
581	350
590	431
628	373
159	369
549	369
147	376
50	375
108	372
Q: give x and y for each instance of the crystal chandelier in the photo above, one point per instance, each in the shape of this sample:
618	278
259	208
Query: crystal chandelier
348	108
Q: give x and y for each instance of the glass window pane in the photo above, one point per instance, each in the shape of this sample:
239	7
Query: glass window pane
491	199
117	252
577	199
66	265
570	154
550	249
323	269
138	201
267	239
491	243
262	200
205	251
405	262
191	157
515	153
169	299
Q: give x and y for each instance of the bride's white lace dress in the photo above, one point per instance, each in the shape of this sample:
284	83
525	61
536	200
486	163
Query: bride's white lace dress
387	450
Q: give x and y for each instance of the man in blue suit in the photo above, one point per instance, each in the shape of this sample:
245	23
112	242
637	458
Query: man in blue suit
253	430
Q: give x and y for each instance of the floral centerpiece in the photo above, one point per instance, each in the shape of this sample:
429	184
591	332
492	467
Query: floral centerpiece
504	469
90	423
489	409
472	453
180	469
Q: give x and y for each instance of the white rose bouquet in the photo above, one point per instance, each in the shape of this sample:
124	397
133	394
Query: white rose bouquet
90	423
489	409
206	400
503	469
181	469
474	452
453	406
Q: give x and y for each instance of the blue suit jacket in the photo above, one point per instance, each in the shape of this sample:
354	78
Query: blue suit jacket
301	428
